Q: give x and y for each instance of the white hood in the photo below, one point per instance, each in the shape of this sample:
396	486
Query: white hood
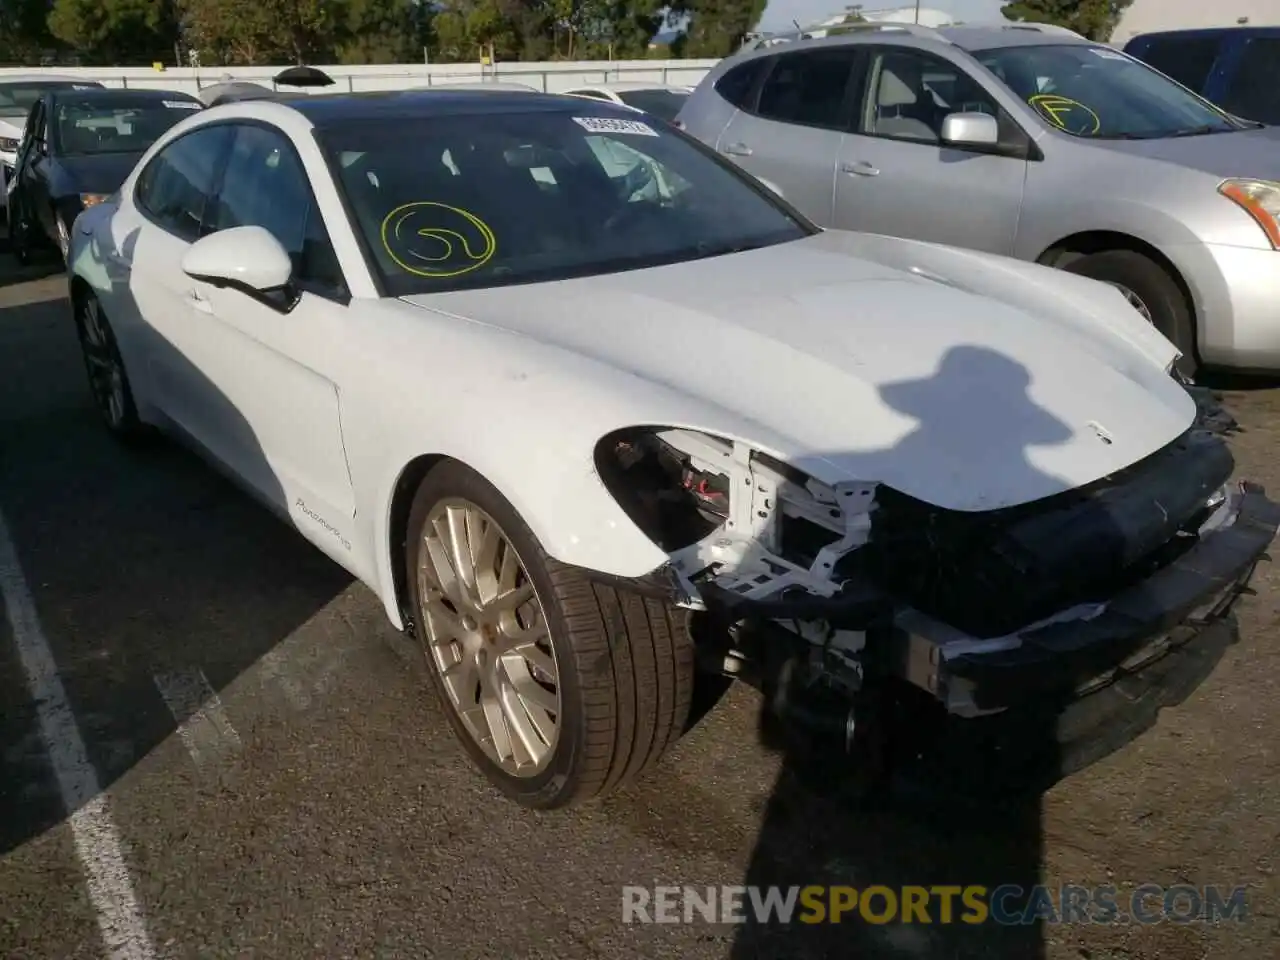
11	129
869	371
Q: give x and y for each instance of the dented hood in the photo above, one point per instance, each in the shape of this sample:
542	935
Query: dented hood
968	381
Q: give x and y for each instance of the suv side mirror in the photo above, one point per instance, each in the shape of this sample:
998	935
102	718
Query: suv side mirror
971	129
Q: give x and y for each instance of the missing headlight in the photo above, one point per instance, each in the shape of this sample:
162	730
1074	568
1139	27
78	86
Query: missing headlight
675	503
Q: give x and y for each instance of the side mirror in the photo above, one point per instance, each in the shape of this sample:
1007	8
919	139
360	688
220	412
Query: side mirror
971	129
248	259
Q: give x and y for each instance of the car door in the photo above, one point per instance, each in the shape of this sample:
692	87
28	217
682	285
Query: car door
151	232
33	176
272	407
789	132
13	178
897	177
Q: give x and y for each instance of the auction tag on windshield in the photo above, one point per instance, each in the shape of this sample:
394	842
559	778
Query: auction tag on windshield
180	105
1107	54
614	125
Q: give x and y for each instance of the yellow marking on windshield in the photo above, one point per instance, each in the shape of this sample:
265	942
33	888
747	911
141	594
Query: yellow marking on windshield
402	239
1060	110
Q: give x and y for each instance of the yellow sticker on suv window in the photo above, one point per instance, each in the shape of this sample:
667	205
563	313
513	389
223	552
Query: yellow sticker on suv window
1066	114
436	240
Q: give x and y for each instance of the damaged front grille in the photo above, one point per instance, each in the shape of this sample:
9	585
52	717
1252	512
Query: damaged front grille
992	573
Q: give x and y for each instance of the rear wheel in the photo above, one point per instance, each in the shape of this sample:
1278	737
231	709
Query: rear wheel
1151	291
19	232
108	381
561	685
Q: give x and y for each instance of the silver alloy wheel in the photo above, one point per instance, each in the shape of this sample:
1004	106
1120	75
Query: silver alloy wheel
106	378
486	632
64	238
1135	301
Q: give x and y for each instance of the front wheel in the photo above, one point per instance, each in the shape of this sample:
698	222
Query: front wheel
562	685
1151	291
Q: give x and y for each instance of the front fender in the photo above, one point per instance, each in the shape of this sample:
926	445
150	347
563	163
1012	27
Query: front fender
546	472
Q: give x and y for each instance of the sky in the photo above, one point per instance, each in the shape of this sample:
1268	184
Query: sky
779	13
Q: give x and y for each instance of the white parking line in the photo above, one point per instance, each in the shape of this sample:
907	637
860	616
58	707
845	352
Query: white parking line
120	920
202	723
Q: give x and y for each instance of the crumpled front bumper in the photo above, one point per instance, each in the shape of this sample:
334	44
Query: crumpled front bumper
1071	658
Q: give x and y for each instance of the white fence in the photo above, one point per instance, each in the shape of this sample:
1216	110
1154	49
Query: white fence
549	77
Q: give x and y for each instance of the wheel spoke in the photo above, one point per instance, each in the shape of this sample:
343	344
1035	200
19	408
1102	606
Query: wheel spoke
442	568
486	540
529	710
510	600
457	539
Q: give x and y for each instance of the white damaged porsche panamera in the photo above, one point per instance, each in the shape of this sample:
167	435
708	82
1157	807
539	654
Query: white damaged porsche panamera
594	415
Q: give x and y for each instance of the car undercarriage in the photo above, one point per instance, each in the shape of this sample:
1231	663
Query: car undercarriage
819	594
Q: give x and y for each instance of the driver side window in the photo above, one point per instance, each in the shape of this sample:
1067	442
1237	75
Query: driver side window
265	185
911	93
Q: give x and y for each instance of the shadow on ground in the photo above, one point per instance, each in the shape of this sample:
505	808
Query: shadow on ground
149	554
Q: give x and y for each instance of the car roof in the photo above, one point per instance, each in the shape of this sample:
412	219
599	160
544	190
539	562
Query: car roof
978	37
1194	32
27	79
628	86
965	37
121	95
331	110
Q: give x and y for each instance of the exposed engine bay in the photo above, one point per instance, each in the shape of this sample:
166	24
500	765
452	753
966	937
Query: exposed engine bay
859	579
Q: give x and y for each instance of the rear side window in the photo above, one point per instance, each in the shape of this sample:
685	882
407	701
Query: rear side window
1254	89
738	84
1189	60
177	183
809	88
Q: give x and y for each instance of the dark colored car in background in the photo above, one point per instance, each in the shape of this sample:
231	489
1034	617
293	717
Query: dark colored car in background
17	95
78	147
1238	68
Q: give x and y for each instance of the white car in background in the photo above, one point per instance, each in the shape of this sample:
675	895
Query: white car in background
659	99
587	444
17	94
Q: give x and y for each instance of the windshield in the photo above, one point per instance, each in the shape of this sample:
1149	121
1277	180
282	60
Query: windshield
489	199
1097	92
16	99
661	103
116	126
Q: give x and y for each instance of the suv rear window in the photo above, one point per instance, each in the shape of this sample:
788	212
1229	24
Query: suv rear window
738	84
1254	90
1189	60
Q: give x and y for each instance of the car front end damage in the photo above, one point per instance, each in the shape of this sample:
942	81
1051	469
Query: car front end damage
821	595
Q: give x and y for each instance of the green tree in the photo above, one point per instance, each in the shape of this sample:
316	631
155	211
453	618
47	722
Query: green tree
117	31
24	31
1095	19
383	31
264	31
718	27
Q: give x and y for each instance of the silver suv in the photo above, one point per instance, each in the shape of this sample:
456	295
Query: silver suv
1026	142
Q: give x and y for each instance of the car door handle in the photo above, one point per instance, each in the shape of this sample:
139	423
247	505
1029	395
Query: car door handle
860	168
736	149
198	302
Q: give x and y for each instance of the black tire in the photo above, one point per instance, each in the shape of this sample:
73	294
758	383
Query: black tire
102	361
1152	284
623	652
19	233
